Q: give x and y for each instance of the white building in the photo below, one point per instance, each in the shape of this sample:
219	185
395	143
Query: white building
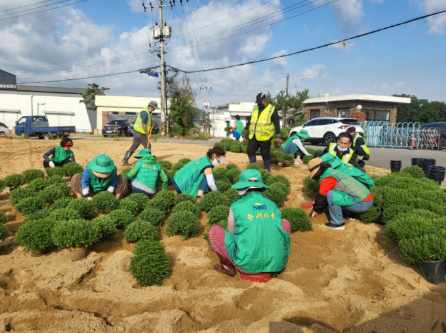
224	116
62	106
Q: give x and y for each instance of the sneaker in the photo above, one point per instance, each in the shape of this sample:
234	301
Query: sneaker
332	226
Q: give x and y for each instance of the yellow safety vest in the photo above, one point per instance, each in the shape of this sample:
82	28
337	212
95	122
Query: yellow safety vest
261	127
346	158
139	127
364	147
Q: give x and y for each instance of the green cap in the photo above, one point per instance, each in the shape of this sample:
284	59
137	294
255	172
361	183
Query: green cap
249	178
303	134
102	164
143	153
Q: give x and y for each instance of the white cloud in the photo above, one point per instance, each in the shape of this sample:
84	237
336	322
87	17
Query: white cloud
437	24
135	5
313	72
349	11
280	61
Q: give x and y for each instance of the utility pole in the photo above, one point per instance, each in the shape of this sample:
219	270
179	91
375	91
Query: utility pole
286	105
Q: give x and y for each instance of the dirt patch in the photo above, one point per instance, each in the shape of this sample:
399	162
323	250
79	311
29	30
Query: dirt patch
335	281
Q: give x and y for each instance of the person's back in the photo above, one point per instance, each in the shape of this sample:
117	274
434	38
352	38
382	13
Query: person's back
146	173
259	242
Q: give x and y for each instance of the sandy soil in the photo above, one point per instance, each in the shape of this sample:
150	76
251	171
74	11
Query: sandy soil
349	281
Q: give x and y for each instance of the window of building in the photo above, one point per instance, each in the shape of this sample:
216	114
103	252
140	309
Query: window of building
377	115
314	113
343	112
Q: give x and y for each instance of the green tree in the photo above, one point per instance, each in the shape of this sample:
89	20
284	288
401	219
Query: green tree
290	106
421	110
182	107
89	95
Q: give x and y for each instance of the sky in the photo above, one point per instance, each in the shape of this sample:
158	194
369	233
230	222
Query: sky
91	37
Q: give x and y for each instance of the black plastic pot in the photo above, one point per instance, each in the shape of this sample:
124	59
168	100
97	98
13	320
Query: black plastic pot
427	163
395	166
416	161
433	271
437	173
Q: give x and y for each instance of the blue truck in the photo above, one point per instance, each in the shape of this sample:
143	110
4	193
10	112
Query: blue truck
37	126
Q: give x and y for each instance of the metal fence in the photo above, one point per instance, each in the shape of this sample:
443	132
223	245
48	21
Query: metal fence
400	135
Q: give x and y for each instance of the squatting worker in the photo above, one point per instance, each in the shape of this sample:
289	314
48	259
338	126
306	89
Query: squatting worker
99	175
256	241
262	126
146	173
342	148
341	191
360	148
60	154
294	146
196	177
142	129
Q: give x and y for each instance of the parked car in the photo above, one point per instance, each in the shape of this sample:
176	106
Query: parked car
29	126
118	127
441	128
4	130
326	129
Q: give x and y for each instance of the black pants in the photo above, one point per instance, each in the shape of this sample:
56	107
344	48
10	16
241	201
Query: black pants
265	151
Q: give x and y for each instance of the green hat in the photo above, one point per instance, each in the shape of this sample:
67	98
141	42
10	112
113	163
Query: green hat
143	153
303	134
102	164
249	178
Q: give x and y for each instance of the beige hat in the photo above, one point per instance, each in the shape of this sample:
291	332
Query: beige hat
314	165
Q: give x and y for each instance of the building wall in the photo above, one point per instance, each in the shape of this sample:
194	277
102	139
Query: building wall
61	109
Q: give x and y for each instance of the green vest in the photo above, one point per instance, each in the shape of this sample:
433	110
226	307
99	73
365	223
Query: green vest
261	127
348	190
139	126
259	243
99	184
189	178
345	158
61	155
147	172
239	126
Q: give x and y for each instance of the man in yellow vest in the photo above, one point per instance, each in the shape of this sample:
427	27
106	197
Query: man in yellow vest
142	130
262	127
342	148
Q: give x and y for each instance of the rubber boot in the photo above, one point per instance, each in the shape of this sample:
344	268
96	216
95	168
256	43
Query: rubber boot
125	160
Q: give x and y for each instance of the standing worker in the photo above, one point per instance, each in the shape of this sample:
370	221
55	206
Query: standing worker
342	148
237	131
264	123
360	148
142	131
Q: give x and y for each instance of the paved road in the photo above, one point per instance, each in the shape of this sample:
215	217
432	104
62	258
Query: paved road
381	157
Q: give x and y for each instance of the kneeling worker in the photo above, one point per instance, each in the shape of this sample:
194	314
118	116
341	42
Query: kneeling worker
342	148
99	175
294	146
360	148
340	191
59	155
145	174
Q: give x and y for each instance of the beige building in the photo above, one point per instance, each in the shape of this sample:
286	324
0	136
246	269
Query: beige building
371	107
112	107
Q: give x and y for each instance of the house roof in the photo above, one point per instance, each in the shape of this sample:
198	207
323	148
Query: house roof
44	89
359	97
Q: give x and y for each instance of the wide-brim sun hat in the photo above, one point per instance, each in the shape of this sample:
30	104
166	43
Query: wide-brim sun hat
314	166
143	153
102	164
250	178
303	134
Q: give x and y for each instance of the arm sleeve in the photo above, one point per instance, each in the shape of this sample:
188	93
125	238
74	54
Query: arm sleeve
145	117
114	180
231	222
276	121
164	179
48	155
133	172
85	180
301	147
211	182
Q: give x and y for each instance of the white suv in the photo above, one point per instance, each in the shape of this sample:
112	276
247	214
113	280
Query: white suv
327	129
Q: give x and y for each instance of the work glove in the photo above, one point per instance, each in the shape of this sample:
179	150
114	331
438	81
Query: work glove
320	204
111	189
85	191
51	164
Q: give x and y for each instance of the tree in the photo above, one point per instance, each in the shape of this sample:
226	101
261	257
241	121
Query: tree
421	110
292	103
182	107
89	95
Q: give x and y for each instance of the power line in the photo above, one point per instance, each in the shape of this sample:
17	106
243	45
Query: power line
43	8
357	36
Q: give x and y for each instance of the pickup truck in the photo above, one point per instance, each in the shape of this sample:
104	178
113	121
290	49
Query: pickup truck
30	126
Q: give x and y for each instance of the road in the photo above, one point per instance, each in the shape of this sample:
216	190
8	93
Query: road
381	157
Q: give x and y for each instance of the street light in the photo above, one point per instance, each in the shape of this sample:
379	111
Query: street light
38	105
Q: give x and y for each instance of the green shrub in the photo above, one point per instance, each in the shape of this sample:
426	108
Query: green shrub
3	232
371	216
140	198
181	163
19	194
307	158
152	215
218	215
283	180
166	165
38	215
13	181
3	218
72	168
30	205
62	203
231	196
163	200
31	174
74	233
141	230
231	166
2	185
298	219
187	206
54	192
150	264
233	174
279	157
57	171
223	185
427	247
391	211
129	205
56	179
35	236
106	226
64	214
86	208
213	199
254	166
121	217
413	226
311	187
219	173
183	223
183	197
267	177
105	202
413	171
277	193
